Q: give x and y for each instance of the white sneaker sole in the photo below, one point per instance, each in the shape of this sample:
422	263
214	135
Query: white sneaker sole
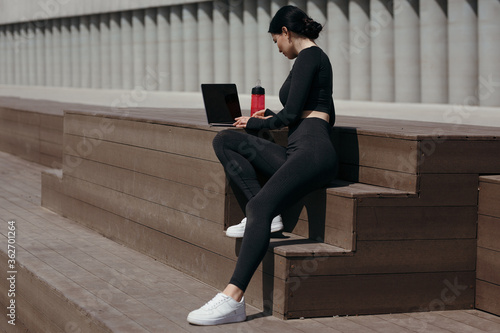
239	234
219	321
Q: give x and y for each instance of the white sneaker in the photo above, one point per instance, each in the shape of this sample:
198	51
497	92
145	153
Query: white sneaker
237	231
221	309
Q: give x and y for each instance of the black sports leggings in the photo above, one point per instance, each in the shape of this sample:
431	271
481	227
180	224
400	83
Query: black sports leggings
308	163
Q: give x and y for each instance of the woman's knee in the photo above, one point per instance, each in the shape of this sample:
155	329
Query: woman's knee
258	209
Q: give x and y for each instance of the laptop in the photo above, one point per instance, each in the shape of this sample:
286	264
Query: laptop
221	103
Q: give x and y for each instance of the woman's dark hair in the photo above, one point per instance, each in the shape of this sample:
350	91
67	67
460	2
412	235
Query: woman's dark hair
296	20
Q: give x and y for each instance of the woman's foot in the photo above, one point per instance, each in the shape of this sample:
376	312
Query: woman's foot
221	309
238	230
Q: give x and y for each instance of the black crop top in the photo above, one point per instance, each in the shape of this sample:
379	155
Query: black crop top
308	87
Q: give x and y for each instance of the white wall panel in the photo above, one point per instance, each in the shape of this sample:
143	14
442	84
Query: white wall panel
127	50
236	44
176	48
138	48
164	72
462	46
115	41
360	50
251	52
190	47
221	41
85	52
31	49
434	51
338	46
407	51
382	50
151	49
95	52
489	52
105	43
75	52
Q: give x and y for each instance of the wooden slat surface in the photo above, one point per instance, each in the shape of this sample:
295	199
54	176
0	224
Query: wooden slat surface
427	290
386	257
460	156
175	293
170	139
155	163
436	190
489	199
488	297
488	265
488	232
392	223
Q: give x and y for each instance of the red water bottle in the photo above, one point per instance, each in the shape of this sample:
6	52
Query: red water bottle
258	99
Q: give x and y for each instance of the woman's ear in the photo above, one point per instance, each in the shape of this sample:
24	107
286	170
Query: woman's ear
287	33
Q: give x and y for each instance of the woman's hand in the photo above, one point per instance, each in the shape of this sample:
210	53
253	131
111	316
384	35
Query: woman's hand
260	114
241	122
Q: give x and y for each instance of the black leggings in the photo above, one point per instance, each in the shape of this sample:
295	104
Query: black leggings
308	163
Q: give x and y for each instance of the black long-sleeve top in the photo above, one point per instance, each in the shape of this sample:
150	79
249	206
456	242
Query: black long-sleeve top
309	86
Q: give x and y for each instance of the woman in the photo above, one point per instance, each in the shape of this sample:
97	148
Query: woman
309	162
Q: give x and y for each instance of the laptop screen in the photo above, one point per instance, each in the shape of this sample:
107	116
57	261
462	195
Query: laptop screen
221	102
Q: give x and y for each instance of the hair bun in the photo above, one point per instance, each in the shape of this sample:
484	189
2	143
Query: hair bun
311	28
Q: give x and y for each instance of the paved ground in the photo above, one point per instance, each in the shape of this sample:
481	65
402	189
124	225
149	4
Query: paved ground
131	292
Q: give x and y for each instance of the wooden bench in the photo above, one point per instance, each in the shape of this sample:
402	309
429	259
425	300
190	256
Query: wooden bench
395	234
33	129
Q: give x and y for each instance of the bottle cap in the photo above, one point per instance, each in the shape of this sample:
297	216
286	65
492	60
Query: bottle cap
258	90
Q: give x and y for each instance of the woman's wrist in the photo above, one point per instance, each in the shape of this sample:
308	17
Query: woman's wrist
254	123
269	112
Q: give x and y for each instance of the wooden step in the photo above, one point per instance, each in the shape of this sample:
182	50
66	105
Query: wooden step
72	279
488	248
34	136
137	182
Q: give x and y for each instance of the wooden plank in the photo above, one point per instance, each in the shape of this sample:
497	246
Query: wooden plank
495	179
50	121
488	297
52	200
51	149
102	178
26	148
488	232
488	265
53	302
389	257
207	266
23	129
416	129
184	141
436	190
358	190
27	316
387	293
464	156
471	320
340	222
53	162
489	198
393	223
379	177
51	135
20	116
182	169
377	152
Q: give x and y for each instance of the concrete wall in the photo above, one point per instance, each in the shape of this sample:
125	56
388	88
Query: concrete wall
406	51
30	10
